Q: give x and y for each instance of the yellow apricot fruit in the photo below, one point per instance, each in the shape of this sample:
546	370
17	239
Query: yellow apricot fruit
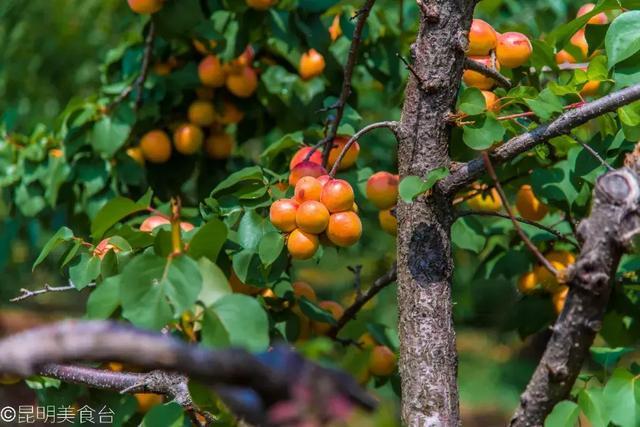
527	282
388	221
146	401
491	101
565	258
514	49
337	195
188	139
559	298
307	188
383	361
303	289
303	169
366	340
201	113
579	40
219	145
282	214
528	205
145	7
382	190
156	146
136	155
302	245
598	19
261	4
482	38
243	83
335	30
9	379
478	80
560	260
301	154
211	72
311	64
239	287
350	157
336	311
230	114
486	202
344	229
312	217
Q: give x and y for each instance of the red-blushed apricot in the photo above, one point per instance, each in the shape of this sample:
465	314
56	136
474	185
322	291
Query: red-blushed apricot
527	282
301	154
307	188
337	195
350	156
211	72
336	311
229	114
243	83
491	101
155	221
305	169
579	40
282	214
383	361
513	50
388	221
261	4
323	179
528	205
382	189
478	80
564	57
188	138
219	145
201	113
482	38
335	30
344	228
302	245
598	19
303	289
239	287
486	202
156	146
146	401
559	298
145	7
103	247
312	217
311	64
135	153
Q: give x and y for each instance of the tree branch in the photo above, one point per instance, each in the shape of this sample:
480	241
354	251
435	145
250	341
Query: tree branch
26	293
500	80
469	171
605	234
351	312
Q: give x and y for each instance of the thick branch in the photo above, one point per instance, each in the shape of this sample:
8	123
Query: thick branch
469	171
604	234
500	80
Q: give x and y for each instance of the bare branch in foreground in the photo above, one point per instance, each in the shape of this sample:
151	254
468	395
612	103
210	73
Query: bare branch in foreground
500	80
26	293
605	233
469	171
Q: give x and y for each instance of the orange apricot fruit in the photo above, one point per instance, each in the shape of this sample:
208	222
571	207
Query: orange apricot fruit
242	83
336	311
219	145
344	229
282	214
482	38
491	101
302	245
303	289
335	30
201	113
598	19
382	189
155	221
261	4
211	72
388	222
337	195
528	205
563	57
136	155
146	401
513	50
486	202
350	156
527	282
312	217
590	88
366	340
301	154
230	114
307	188
559	298
323	179
305	169
156	146
58	153
311	64
383	361
579	40
478	80
188	138
204	47
145	7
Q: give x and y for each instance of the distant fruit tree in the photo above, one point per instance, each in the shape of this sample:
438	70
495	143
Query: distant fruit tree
233	143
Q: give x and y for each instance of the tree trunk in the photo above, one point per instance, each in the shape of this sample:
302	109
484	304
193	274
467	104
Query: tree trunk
428	358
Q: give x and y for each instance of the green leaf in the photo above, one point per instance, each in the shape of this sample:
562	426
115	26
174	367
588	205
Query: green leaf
591	402
545	104
564	414
621	395
467	233
313	312
623	37
609	357
104	299
64	234
168	415
208	240
245	183
236	320
472	102
270	247
284	144
115	210
214	283
412	186
109	135
85	271
483	133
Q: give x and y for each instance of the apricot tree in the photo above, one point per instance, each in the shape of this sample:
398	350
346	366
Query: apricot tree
227	150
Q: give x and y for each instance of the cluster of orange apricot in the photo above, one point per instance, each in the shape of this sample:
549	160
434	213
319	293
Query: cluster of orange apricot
382	191
541	279
308	162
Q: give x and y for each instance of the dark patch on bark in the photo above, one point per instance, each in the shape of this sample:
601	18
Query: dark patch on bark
427	264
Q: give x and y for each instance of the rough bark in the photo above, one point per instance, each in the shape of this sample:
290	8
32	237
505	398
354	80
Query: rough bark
428	359
614	218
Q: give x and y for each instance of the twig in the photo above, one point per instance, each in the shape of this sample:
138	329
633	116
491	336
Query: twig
26	293
389	125
534	250
500	80
357	279
423	84
594	153
549	230
351	311
531	113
